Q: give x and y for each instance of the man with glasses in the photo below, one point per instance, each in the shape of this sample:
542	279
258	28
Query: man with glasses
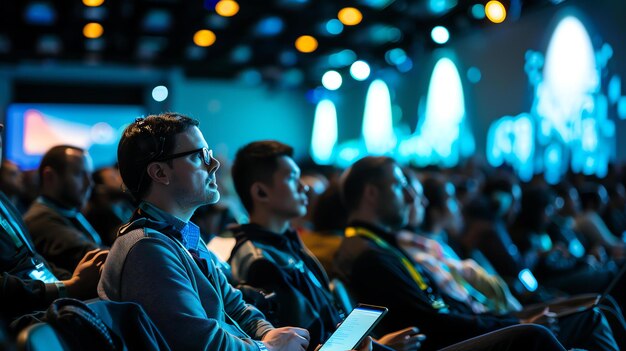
159	259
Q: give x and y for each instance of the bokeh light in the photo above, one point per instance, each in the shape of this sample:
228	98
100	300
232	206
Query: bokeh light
360	70
306	44
93	3
160	93
204	38
227	8
495	11
350	16
93	30
440	35
332	80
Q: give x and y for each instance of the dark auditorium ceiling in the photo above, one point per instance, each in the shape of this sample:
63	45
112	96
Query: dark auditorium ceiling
259	38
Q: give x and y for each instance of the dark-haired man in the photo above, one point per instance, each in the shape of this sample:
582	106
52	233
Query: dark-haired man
58	228
159	259
378	198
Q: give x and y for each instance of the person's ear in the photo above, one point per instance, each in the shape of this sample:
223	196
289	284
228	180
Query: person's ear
259	192
157	173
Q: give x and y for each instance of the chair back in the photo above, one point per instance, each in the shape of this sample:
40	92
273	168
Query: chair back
40	337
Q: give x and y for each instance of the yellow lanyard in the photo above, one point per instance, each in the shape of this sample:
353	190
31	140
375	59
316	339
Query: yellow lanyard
437	303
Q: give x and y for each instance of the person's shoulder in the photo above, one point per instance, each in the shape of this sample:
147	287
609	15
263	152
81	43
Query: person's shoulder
38	211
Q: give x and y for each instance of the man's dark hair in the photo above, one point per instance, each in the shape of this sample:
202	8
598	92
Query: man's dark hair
145	141
56	159
367	170
256	162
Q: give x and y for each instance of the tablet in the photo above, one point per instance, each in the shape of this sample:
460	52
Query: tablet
354	328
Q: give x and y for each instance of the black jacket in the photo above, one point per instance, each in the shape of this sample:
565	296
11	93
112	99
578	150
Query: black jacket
280	264
376	276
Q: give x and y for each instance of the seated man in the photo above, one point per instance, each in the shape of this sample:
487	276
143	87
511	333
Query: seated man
28	282
60	232
378	272
270	256
159	260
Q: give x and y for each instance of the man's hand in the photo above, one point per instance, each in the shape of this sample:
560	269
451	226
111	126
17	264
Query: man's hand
408	339
85	278
365	345
286	339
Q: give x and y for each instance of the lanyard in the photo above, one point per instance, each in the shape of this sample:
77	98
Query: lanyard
13	229
436	302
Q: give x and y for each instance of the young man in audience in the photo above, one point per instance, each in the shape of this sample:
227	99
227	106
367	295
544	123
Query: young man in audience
59	230
378	272
159	260
270	256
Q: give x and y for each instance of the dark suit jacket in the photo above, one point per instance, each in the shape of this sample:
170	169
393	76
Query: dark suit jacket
56	238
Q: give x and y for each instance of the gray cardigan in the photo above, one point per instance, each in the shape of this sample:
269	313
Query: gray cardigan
192	310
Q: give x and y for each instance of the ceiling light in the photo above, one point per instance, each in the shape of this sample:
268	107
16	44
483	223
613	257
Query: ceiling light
93	30
227	8
495	11
332	80
204	38
350	16
306	44
440	35
360	70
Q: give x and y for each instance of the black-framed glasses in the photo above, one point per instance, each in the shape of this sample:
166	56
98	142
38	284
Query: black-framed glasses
207	155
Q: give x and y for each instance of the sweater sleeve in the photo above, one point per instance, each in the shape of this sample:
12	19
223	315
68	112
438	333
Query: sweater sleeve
249	318
154	276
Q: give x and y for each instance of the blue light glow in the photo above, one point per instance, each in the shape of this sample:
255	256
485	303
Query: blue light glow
241	54
377	120
440	35
442	135
405	66
474	75
40	13
157	21
332	80
395	56
360	70
269	26
324	135
334	26
159	93
478	11
568	125
342	58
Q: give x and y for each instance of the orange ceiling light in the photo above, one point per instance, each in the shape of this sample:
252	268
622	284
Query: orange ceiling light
204	38
227	8
306	44
350	16
93	30
93	3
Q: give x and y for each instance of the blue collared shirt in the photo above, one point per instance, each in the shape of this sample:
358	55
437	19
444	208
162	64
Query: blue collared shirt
190	233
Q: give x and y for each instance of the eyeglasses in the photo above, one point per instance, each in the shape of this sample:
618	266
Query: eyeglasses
207	155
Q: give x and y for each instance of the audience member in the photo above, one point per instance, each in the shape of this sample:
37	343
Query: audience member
12	184
58	228
159	259
109	206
